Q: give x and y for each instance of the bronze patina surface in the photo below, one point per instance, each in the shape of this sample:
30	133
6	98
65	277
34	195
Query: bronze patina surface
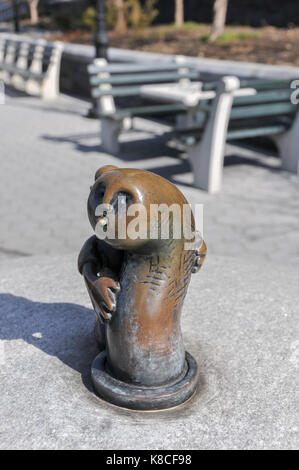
137	288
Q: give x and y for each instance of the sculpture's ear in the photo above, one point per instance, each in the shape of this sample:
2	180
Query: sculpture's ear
104	169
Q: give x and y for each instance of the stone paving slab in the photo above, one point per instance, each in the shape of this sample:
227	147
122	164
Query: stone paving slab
240	321
49	153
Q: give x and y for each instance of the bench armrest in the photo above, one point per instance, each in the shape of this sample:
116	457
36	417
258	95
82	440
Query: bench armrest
245	92
189	95
194	99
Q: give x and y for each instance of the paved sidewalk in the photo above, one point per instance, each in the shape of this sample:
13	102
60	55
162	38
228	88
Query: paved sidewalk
49	153
243	333
240	317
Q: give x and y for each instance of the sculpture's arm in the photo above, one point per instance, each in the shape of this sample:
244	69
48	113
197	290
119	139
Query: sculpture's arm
99	278
88	254
201	252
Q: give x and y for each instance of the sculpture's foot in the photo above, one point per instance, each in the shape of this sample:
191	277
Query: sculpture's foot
144	398
100	334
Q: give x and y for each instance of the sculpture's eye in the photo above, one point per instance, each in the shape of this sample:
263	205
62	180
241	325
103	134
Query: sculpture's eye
99	194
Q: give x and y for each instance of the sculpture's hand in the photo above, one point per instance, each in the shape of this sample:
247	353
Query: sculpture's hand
103	292
200	256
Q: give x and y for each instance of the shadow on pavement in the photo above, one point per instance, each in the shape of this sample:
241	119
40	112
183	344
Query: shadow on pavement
231	160
156	147
134	150
63	330
63	104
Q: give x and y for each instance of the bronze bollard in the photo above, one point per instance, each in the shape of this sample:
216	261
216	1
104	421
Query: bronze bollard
137	288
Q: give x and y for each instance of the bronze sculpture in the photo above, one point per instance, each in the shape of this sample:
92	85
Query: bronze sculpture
137	287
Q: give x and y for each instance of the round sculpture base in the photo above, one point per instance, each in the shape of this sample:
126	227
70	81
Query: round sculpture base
144	398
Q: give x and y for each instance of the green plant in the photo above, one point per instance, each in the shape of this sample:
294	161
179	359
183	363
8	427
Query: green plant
190	26
230	36
89	18
139	16
111	14
136	15
205	38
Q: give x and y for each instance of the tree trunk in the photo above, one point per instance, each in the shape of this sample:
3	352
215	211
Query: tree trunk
179	12
220	10
33	7
121	24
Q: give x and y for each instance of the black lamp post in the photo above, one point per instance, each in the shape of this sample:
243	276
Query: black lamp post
101	45
101	38
16	19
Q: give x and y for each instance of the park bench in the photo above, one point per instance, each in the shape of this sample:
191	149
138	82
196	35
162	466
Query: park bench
31	66
226	118
116	88
220	113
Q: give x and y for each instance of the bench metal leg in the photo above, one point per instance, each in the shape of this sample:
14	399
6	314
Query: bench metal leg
17	80
2	56
288	145
50	85
181	60
110	128
110	131
2	49
9	60
33	85
207	156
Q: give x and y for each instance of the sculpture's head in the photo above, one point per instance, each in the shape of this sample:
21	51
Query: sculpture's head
123	205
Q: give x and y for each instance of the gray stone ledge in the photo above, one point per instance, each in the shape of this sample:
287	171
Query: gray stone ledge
205	65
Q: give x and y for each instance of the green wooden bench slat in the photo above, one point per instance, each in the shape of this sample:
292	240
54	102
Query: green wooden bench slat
116	91
132	68
276	109
142	78
258	84
209	86
268	96
145	110
23	73
255	132
196	133
265	83
263	100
